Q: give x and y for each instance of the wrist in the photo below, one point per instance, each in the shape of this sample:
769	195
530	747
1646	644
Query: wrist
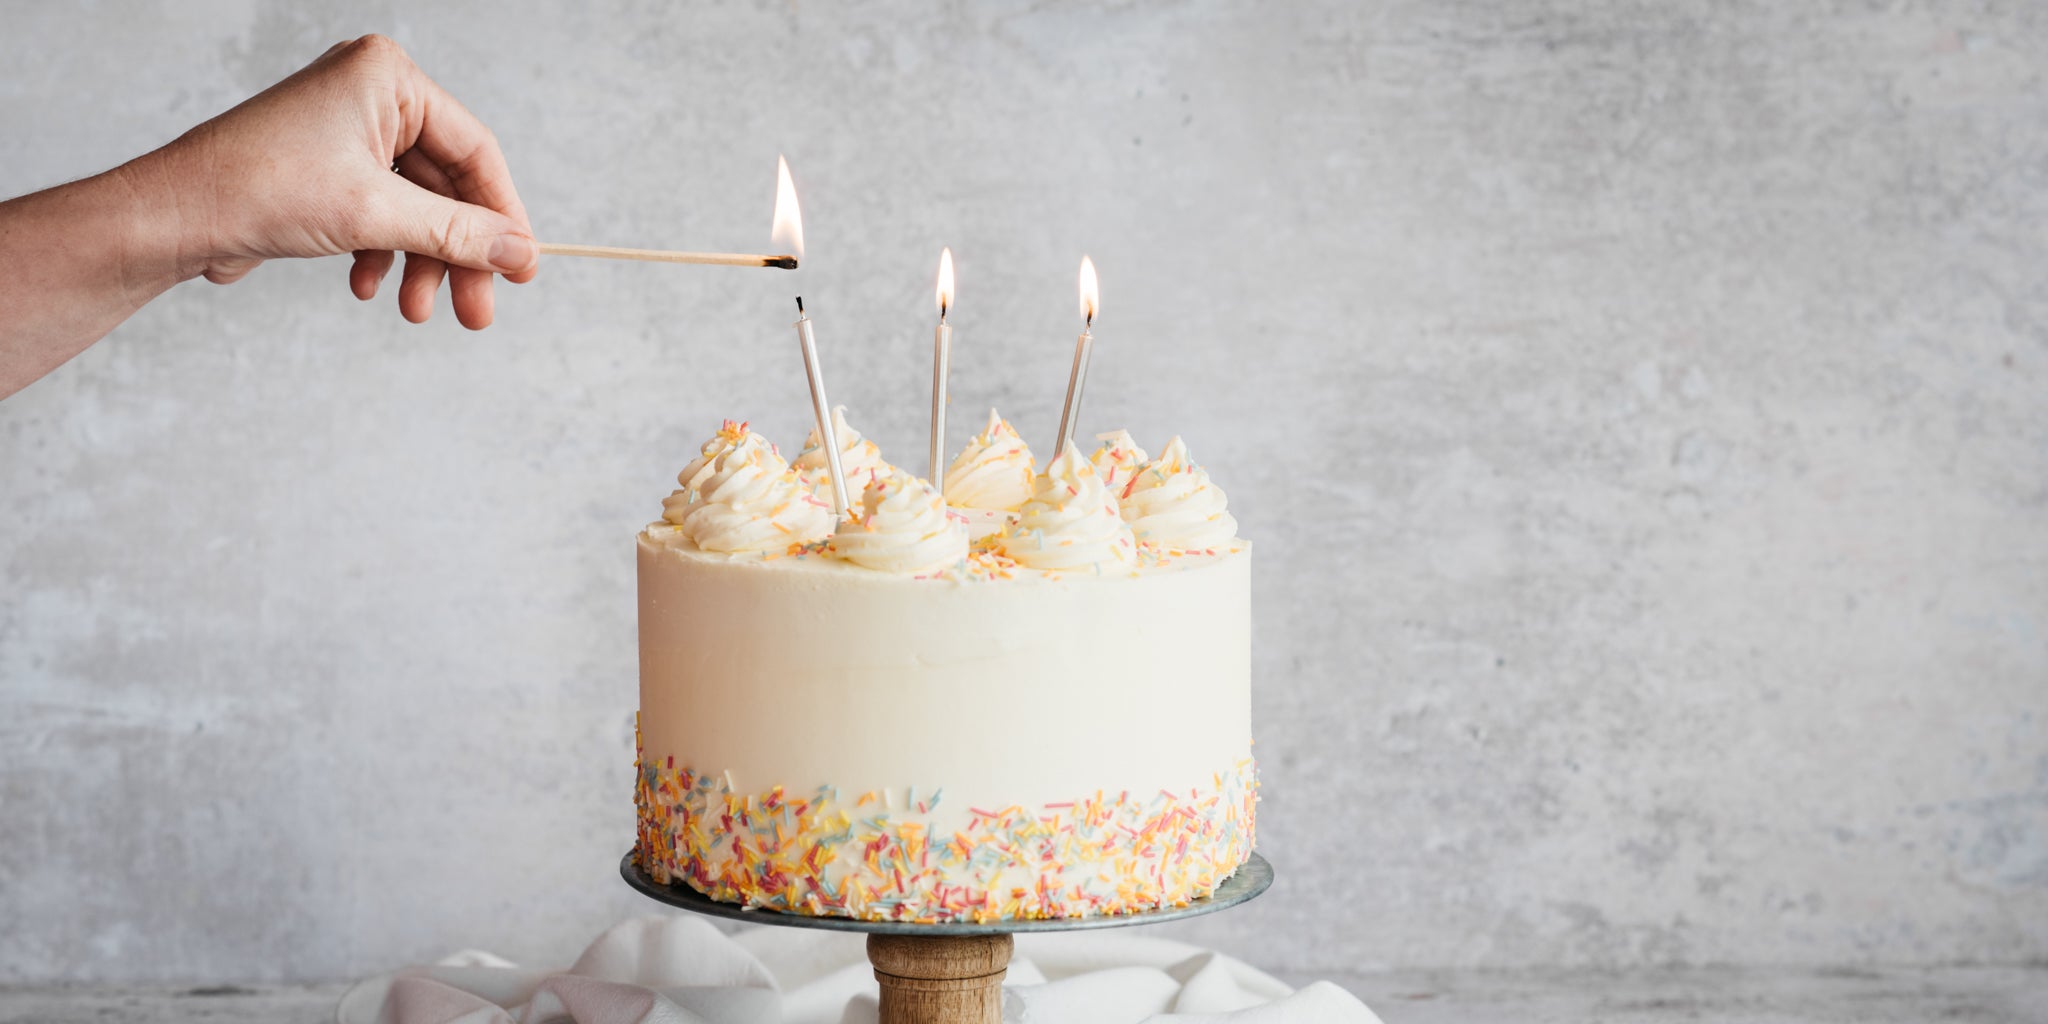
165	199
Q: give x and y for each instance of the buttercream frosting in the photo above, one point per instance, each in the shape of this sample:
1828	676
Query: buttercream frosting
742	497
902	527
922	749
1172	505
1117	461
1071	522
993	472
677	504
859	458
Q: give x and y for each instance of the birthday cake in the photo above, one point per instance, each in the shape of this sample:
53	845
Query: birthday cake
1028	697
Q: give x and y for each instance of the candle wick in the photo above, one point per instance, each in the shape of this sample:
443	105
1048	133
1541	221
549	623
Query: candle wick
799	305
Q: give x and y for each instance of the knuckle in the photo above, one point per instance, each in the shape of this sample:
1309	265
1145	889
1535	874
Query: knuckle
377	45
372	54
456	235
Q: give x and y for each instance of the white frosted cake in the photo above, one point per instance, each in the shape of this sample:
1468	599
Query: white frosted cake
886	718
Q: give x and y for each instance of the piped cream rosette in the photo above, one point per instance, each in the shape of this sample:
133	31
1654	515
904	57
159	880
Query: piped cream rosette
1117	461
1172	506
1071	522
740	496
901	527
859	458
991	478
677	504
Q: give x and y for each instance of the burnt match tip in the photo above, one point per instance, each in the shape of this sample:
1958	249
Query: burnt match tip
785	262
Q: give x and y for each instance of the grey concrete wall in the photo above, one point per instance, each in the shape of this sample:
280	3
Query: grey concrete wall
1639	409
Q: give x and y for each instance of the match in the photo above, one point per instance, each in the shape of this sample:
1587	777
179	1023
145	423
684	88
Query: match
719	259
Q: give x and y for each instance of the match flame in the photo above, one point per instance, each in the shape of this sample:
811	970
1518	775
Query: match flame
1091	297
945	281
788	233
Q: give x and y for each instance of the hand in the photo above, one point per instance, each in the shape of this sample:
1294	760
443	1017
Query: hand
305	168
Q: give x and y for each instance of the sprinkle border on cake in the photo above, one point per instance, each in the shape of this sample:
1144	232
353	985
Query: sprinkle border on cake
1098	854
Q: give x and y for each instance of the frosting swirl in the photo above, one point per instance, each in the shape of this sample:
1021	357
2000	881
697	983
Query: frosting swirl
993	472
1117	461
902	527
1071	522
859	458
747	499
1172	505
677	504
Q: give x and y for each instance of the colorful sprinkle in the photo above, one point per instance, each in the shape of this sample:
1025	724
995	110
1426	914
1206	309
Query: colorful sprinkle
1075	858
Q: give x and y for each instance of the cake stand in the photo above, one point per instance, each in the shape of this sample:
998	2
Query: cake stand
947	973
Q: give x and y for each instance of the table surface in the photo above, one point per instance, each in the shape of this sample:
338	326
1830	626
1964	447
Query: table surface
1970	995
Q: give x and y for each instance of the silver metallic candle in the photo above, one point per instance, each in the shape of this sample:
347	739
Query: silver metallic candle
942	350
789	230
1070	414
842	502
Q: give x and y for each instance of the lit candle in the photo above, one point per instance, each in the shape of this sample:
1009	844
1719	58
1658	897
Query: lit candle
789	231
942	348
1071	413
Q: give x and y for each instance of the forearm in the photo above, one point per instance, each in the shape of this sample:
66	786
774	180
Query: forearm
78	259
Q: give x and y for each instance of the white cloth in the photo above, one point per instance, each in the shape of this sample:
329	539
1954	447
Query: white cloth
681	970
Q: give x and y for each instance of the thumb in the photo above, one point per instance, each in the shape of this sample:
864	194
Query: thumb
458	233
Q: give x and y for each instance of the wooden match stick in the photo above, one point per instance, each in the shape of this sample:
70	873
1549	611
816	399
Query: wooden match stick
722	259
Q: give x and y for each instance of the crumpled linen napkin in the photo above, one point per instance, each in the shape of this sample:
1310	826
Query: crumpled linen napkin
681	970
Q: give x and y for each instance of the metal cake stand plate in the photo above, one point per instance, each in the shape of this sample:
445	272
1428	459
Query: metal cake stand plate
947	973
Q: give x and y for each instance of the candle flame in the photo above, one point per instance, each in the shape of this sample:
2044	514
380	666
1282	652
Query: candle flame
1091	298
945	282
788	232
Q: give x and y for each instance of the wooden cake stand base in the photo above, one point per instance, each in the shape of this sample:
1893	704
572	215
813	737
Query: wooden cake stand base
957	978
947	973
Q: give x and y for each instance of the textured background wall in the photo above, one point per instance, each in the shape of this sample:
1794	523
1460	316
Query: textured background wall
1639	408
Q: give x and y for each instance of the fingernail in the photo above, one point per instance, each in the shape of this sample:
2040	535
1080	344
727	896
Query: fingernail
512	253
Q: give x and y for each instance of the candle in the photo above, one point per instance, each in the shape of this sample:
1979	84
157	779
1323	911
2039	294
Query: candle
789	230
1070	414
942	348
827	436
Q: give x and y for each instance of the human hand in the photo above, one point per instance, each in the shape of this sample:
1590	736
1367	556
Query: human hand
305	168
